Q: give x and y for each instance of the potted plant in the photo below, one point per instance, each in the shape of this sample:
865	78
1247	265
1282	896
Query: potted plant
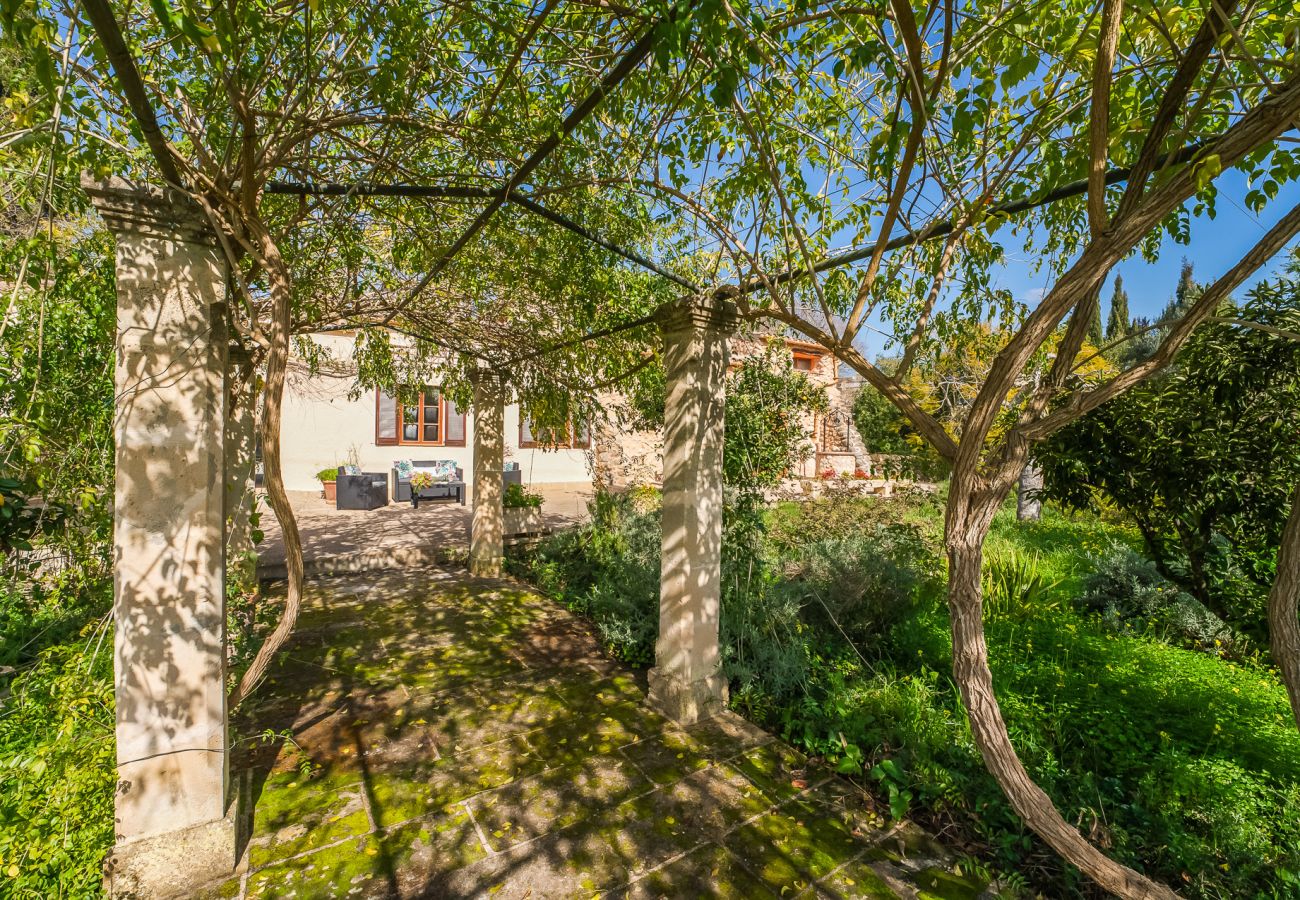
327	479
420	481
522	511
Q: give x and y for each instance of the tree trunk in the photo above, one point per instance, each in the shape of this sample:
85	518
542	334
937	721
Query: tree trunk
1284	605
277	364
1029	507
968	518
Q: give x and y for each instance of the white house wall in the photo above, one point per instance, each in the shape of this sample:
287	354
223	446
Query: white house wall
322	426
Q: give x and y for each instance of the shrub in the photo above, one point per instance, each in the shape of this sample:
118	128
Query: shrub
516	497
330	474
1126	589
57	769
860	584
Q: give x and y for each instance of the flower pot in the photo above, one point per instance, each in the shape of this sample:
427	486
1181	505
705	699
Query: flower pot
521	520
330	488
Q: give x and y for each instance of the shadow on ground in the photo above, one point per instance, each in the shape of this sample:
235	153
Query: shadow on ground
452	737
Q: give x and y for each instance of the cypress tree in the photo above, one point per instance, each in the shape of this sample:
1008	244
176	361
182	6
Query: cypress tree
1118	324
1094	326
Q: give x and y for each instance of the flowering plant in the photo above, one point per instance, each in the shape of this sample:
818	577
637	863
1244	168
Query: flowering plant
421	481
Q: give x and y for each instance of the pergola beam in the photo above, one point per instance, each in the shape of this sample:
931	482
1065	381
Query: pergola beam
523	201
612	79
104	23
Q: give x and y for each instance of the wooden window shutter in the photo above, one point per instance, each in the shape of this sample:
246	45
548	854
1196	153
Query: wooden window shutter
385	419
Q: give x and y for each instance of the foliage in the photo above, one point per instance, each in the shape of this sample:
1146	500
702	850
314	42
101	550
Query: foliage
421	481
57	771
516	497
1177	761
767	403
330	474
883	428
1127	591
56	392
1203	459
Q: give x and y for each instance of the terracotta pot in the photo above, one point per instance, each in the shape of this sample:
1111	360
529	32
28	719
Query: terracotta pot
329	487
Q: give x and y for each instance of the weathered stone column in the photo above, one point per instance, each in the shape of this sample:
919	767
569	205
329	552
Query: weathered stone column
173	831
240	449
685	683
486	541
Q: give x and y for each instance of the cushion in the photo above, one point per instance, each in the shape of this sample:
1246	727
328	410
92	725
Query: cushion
404	469
441	471
349	470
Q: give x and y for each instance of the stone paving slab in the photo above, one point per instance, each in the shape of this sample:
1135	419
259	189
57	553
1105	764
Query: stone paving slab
458	737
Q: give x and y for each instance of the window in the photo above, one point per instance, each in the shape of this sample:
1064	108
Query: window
805	362
571	437
430	420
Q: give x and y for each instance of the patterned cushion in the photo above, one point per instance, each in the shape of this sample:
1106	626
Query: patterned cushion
349	469
404	469
441	470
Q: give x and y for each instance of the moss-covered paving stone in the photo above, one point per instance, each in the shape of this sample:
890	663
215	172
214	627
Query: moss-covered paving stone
353	868
696	808
668	757
419	789
778	769
855	881
556	798
795	845
295	814
421	849
935	883
708	871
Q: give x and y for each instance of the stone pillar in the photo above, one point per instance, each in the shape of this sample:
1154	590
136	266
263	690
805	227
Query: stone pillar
173	831
685	683
240	450
486	542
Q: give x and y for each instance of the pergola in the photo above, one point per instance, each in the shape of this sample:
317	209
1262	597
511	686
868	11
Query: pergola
181	460
174	428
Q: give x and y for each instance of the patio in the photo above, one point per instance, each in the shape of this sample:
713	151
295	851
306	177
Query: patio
430	734
342	540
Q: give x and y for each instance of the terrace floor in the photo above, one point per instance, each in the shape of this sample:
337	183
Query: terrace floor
427	734
341	540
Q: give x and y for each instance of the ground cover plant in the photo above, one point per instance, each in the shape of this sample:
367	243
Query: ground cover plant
1179	761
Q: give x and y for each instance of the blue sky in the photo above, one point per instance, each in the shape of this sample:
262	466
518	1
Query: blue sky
1216	244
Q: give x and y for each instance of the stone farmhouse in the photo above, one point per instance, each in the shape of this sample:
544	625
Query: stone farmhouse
325	426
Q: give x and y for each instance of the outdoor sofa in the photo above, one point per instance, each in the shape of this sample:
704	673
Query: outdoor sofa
454	486
361	490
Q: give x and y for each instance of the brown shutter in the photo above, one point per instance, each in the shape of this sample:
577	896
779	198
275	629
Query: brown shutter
385	419
455	425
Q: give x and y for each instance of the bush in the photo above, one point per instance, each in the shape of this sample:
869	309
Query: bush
57	767
1126	590
516	497
860	584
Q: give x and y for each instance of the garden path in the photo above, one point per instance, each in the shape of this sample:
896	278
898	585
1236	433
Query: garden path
459	737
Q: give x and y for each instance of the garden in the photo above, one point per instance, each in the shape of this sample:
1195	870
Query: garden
1066	645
